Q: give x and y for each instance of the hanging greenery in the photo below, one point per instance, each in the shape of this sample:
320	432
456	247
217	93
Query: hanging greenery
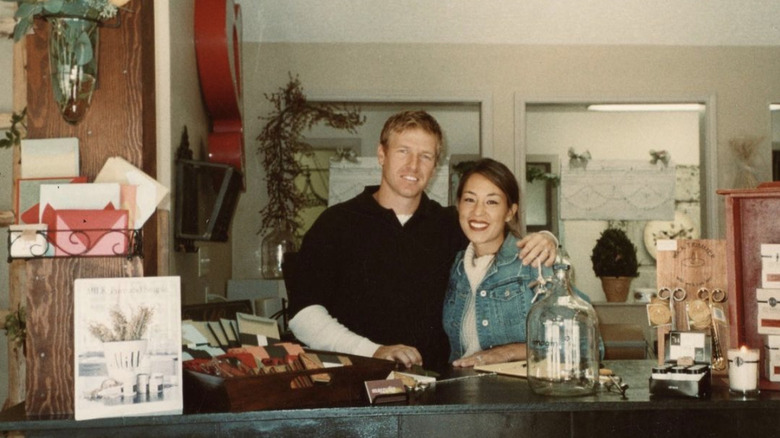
280	141
18	129
534	173
16	327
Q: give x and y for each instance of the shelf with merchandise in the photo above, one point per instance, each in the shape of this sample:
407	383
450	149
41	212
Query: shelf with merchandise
105	242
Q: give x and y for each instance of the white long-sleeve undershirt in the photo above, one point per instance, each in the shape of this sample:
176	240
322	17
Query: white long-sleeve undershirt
315	327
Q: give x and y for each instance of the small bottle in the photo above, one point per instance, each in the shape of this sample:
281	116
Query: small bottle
563	352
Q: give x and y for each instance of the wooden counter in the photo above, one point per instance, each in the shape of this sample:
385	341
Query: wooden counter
480	406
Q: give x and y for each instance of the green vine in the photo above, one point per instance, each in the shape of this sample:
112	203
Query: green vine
13	136
16	326
280	141
534	173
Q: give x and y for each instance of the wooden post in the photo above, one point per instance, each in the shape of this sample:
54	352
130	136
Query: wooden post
119	122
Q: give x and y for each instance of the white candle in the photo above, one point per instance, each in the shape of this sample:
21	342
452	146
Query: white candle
743	369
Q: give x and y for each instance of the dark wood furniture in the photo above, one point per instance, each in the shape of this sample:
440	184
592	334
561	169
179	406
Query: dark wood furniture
479	406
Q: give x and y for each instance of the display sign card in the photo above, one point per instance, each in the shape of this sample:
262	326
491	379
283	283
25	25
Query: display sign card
127	342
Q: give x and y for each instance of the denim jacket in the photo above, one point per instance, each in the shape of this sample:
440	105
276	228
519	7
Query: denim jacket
503	300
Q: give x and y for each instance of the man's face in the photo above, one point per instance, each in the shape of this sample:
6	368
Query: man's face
408	162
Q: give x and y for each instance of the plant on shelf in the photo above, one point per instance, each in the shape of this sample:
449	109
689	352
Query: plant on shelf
614	261
281	139
534	173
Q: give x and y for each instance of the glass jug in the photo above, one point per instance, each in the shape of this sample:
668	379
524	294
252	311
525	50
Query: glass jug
563	354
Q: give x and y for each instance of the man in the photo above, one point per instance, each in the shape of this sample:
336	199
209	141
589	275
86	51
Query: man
373	270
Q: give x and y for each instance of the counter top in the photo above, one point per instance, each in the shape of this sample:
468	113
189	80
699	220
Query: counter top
487	405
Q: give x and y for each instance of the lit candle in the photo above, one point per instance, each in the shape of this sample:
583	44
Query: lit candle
743	370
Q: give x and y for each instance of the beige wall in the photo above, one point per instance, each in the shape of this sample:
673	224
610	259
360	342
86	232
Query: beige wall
743	80
179	104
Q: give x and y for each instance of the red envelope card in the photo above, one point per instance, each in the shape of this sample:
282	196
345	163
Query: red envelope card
28	196
90	232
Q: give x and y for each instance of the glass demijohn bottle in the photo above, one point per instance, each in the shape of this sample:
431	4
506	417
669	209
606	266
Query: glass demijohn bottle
563	353
277	242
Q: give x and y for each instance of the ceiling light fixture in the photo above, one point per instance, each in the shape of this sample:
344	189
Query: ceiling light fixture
647	107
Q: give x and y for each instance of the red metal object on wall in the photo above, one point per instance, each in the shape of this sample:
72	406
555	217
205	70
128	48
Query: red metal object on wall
218	51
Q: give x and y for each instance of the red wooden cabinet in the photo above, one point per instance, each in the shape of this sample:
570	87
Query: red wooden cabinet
752	218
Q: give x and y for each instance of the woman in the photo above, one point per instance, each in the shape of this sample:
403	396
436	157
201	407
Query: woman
489	293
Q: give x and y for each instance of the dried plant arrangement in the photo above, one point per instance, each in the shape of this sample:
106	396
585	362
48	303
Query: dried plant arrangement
122	328
281	139
747	174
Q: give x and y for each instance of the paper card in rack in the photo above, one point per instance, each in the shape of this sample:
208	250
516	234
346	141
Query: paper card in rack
256	330
29	240
89	232
49	157
95	196
149	192
516	369
28	196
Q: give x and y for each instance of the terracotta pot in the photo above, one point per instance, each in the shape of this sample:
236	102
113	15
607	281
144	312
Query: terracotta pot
616	288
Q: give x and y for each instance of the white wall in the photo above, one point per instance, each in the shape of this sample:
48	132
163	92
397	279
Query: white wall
179	104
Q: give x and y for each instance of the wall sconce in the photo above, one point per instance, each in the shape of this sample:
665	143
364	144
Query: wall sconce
73	46
73	63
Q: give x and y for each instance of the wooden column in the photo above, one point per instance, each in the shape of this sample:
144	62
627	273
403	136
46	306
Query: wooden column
120	122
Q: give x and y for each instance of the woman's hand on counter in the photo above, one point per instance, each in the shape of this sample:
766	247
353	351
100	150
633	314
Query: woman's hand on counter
500	354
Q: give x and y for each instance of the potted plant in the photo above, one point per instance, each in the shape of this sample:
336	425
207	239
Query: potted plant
281	140
614	261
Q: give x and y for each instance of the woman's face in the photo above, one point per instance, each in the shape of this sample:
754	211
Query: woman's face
483	210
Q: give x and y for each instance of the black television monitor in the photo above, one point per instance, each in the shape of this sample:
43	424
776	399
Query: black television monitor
206	198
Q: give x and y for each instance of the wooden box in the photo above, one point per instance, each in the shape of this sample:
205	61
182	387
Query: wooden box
751	219
207	393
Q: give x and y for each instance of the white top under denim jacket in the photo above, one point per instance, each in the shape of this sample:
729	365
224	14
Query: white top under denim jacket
502	300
